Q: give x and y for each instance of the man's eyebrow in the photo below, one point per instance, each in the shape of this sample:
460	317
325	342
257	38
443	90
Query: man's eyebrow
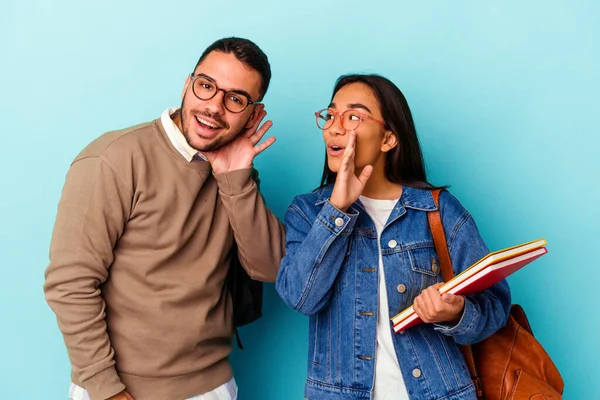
206	76
234	90
353	105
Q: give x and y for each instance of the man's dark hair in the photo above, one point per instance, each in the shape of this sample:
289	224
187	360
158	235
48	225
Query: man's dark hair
246	52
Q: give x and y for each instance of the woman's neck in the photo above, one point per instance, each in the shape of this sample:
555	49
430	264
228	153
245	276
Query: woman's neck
379	187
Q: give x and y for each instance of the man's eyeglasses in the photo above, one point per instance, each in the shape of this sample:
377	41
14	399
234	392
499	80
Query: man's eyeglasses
350	119
206	89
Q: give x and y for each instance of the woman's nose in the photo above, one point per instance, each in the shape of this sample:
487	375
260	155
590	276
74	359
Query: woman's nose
336	128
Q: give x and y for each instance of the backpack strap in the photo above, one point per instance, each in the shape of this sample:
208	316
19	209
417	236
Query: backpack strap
246	293
237	338
441	248
517	312
439	237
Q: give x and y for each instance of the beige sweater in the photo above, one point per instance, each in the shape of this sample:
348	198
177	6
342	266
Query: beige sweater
138	260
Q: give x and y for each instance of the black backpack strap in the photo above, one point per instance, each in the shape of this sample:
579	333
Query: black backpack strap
246	293
237	338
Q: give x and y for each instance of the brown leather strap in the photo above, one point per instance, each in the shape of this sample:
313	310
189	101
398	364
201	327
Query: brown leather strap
439	237
517	312
441	248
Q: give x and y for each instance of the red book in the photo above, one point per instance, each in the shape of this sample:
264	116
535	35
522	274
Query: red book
480	276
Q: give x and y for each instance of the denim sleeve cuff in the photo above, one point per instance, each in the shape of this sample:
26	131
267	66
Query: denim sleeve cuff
466	323
336	220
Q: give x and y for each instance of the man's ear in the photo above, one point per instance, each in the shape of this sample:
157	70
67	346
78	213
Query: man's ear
389	141
188	81
256	113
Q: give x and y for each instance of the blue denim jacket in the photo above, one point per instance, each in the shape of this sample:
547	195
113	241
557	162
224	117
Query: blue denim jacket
330	272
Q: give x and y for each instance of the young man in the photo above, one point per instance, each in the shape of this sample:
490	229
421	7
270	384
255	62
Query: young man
142	240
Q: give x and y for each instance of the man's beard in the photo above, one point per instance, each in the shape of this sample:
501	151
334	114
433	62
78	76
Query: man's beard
217	143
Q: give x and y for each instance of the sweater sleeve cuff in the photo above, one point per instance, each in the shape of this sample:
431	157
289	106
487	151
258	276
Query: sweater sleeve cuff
104	384
235	182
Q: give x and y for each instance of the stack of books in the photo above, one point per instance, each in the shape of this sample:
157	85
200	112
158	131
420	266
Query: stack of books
480	276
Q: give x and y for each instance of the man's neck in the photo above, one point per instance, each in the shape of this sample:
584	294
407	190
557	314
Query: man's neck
176	117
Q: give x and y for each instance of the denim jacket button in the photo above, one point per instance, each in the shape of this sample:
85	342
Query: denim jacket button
416	373
339	221
401	288
392	243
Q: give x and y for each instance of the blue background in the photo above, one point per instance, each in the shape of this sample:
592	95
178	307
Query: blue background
505	98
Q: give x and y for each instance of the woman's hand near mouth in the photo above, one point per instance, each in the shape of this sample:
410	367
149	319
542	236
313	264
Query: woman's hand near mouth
347	185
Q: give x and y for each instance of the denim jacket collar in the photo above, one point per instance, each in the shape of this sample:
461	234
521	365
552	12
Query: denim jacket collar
414	198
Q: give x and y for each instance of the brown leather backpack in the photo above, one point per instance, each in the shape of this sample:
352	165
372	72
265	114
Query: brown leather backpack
510	364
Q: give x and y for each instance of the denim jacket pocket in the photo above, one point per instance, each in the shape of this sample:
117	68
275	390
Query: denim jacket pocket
425	266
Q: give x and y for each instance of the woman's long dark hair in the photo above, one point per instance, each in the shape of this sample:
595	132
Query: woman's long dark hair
404	163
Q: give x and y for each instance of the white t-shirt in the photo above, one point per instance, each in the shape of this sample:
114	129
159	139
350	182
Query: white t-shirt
389	384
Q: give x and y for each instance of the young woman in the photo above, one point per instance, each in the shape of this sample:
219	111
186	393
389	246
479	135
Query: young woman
359	250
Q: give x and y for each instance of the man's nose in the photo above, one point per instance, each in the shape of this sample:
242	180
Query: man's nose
215	105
